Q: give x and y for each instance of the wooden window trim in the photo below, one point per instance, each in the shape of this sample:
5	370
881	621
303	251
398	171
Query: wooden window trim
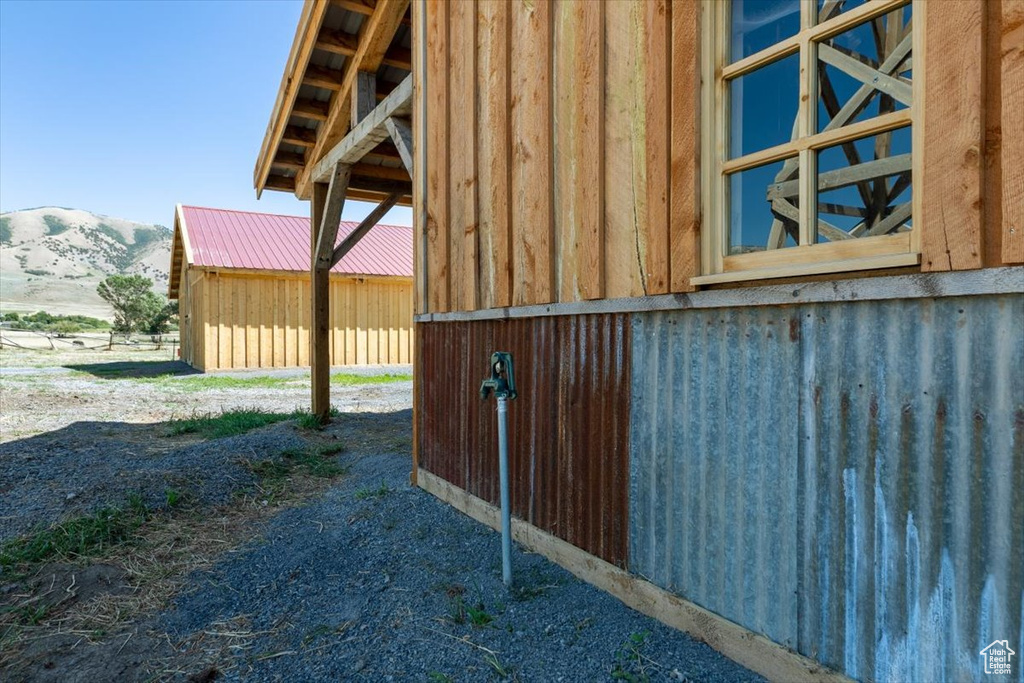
885	251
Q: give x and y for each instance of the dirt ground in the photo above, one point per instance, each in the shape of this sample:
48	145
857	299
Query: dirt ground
136	544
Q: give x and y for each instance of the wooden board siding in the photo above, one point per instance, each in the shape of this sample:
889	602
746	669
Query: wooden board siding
562	147
548	170
254	321
568	430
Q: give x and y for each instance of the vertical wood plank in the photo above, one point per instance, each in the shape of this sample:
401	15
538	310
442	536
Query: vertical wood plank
951	234
684	191
657	63
579	142
437	159
222	297
303	310
625	148
531	153
241	343
1012	125
493	150
419	209
462	164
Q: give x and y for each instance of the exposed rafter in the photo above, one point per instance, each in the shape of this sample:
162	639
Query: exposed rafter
375	37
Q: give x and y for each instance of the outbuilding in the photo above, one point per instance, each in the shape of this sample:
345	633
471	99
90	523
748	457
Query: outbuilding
242	283
759	268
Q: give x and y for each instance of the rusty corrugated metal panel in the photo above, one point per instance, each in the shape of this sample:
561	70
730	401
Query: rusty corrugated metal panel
568	429
845	478
221	238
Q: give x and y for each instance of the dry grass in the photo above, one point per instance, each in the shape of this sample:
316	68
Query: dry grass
157	561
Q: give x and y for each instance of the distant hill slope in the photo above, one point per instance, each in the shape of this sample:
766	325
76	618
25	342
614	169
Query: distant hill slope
52	259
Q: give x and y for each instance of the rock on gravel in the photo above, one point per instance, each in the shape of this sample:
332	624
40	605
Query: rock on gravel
378	581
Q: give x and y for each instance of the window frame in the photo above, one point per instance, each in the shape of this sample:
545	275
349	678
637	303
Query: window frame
807	258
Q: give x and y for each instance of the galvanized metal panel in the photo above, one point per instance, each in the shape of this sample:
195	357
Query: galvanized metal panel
568	428
846	478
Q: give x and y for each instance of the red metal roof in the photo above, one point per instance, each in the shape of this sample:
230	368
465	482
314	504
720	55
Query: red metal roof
222	238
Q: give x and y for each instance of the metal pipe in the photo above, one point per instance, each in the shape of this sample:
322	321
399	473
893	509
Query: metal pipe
506	512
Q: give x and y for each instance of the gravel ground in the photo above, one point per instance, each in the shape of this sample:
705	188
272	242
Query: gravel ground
88	465
365	587
366	579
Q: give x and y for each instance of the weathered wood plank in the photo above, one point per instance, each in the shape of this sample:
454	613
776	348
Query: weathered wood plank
953	136
684	190
531	152
369	133
364	96
462	143
656	126
437	157
401	132
578	157
364	227
421	273
625	149
493	147
1012	125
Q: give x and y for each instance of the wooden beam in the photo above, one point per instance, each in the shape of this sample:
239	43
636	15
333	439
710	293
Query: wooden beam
278	182
322	77
327	231
346	44
380	172
328	202
337	42
375	37
380	185
311	109
296	135
401	132
289	160
302	47
364	7
370	132
364	96
364	227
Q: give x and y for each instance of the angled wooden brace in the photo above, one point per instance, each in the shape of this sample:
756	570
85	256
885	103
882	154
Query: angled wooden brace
401	133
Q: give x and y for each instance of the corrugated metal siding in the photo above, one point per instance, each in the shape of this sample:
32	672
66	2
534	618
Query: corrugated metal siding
845	478
568	428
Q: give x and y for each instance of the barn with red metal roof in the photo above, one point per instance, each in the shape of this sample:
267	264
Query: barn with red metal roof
242	283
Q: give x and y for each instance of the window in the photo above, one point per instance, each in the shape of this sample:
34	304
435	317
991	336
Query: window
808	136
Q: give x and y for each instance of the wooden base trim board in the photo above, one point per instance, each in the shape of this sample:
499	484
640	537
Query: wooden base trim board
754	651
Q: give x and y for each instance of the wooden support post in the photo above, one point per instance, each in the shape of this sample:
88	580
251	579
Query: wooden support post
364	96
401	133
328	201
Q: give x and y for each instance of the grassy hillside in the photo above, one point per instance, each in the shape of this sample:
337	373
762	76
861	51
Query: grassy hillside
52	258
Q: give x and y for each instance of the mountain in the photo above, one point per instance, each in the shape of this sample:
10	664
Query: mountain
52	259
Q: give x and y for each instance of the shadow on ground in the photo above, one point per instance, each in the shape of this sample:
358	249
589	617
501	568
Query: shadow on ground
135	369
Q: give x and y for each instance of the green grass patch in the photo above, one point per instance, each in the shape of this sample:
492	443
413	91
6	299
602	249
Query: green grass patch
347	379
379	492
204	382
84	536
230	423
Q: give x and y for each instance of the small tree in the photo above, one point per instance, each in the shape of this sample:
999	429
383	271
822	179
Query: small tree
164	319
132	299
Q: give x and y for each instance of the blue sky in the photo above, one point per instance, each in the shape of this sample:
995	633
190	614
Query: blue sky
126	108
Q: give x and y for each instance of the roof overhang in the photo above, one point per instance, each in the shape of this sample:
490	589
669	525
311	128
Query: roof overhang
181	253
335	42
